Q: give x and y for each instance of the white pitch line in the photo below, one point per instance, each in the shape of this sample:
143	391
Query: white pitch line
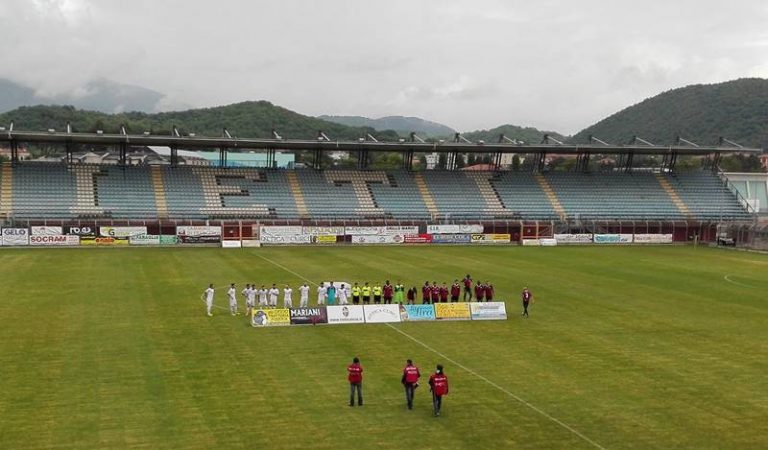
726	278
467	369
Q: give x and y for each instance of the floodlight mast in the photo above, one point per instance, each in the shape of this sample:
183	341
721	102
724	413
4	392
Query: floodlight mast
459	138
416	138
548	138
686	141
276	135
599	141
636	139
505	140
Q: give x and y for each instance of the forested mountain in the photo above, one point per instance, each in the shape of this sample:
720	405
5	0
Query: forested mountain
403	125
528	135
737	110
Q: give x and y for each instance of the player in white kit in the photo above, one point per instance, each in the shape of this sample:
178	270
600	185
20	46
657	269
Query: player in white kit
273	293
250	299
321	291
263	296
304	290
208	297
232	294
343	295
246	294
287	301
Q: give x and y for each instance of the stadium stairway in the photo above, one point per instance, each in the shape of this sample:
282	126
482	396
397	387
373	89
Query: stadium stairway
678	202
6	190
494	205
426	196
551	196
159	188
86	192
301	205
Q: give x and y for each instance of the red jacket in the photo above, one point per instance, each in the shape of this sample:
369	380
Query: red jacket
355	373
467	283
455	290
443	294
411	374
387	291
479	291
426	292
439	383
489	292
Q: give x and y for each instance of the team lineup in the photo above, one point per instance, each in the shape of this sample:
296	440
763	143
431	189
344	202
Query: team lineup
387	293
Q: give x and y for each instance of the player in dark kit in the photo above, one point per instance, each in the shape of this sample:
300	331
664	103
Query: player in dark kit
410	381
387	290
479	291
435	292
426	293
355	377
444	293
411	295
455	291
489	292
467	287
438	384
527	297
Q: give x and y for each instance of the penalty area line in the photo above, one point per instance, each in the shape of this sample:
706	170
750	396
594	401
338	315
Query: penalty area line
728	279
465	368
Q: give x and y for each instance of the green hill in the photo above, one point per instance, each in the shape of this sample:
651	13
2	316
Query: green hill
737	110
247	119
401	124
529	135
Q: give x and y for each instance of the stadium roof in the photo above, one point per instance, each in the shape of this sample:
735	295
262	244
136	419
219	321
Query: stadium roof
233	143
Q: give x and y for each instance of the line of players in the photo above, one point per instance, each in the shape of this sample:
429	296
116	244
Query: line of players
332	294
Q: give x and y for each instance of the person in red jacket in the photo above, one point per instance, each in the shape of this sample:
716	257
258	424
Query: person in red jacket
411	295
467	287
438	384
435	292
444	293
455	291
355	377
410	381
426	293
388	290
479	291
489	292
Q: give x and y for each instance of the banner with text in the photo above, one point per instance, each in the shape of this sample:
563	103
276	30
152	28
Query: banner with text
198	234
578	238
339	315
322	239
415	313
488	311
270	317
106	241
80	231
54	240
15	236
381	313
454	229
452	311
613	239
403	230
653	239
286	239
121	232
323	231
417	238
491	238
47	231
309	316
451	238
365	231
286	230
144	239
383	239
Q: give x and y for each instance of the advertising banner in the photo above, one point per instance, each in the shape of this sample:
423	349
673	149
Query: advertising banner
15	236
579	238
451	238
231	244
365	231
490	238
533	242
384	239
454	229
613	239
653	239
286	239
417	238
548	242
488	311
144	239
381	313
323	231
403	230
251	243
338	315
452	311
51	240
90	240
324	239
278	317
198	234
286	230
47	231
414	313
121	232
309	316
168	239
80	231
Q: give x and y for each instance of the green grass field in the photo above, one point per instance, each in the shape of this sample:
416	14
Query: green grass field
626	348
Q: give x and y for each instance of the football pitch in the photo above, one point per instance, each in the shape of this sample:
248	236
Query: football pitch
626	347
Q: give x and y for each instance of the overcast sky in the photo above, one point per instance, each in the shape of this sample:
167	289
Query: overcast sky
471	64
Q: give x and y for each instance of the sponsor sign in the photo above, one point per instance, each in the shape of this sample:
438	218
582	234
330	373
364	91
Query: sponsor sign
54	240
451	238
417	238
579	238
15	236
198	234
613	239
251	243
414	313
381	313
103	241
323	231
531	242
454	229
144	239
452	311
121	232
338	315
80	231
287	230
365	231
231	244
653	239
46	231
548	242
286	239
490	238
277	317
309	316
403	230
168	240
488	311
324	239
383	239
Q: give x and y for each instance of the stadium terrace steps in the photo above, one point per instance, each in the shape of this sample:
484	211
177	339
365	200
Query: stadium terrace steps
6	190
298	196
494	204
426	196
159	188
551	195
673	196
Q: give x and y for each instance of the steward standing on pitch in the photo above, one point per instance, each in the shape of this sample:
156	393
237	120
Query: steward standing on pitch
527	297
438	384
355	377
410	381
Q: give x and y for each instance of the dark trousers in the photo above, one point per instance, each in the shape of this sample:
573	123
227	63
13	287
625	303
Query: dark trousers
352	388
437	403
410	389
525	309
467	293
